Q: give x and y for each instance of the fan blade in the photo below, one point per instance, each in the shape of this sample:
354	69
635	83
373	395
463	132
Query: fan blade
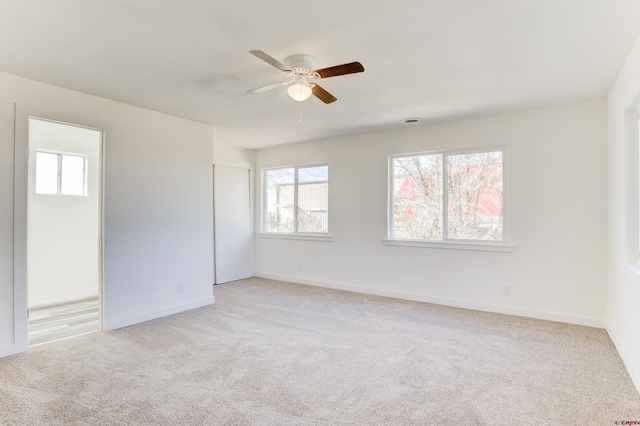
265	88
343	69
323	95
268	59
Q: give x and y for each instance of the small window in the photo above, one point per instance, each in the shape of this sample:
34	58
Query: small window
296	200
448	196
60	174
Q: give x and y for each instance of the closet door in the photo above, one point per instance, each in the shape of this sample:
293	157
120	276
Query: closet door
232	224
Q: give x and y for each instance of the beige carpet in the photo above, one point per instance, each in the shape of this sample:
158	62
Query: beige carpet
274	353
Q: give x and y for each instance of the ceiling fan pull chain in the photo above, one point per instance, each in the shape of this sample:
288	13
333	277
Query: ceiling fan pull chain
300	116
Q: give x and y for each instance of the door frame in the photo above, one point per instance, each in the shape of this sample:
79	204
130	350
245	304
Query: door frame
20	206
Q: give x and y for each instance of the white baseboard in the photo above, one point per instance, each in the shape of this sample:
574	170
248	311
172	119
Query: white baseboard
148	316
508	310
8	350
631	363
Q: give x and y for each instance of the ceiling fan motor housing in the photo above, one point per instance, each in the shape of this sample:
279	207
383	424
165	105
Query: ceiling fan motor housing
303	63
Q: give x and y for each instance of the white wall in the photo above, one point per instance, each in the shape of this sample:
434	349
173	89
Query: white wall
63	231
231	156
623	313
158	206
557	211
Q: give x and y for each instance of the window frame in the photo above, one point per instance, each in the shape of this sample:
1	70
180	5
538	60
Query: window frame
447	243
631	254
635	167
296	235
60	172
632	193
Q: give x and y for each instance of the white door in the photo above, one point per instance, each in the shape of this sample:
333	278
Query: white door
232	224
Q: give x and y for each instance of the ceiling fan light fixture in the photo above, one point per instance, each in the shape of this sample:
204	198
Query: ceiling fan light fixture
299	92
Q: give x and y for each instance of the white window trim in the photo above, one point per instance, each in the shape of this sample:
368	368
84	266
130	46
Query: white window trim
453	245
299	236
60	171
479	245
634	185
309	236
632	190
631	255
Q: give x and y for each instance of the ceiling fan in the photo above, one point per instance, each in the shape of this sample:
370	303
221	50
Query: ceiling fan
300	69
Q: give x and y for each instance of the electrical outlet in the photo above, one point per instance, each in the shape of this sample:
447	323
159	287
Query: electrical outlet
299	266
506	290
180	288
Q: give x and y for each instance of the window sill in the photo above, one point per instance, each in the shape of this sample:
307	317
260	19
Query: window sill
452	245
306	237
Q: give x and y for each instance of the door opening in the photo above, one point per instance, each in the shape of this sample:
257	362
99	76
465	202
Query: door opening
64	229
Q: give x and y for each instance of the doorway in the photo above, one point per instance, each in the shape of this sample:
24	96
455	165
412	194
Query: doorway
63	230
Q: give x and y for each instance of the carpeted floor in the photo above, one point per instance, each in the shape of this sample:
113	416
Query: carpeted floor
274	353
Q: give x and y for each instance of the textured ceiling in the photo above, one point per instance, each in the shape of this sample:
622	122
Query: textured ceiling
434	59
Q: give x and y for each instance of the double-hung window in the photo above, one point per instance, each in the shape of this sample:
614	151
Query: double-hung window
296	200
448	196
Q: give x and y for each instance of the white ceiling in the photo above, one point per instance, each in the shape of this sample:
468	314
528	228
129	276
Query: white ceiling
434	59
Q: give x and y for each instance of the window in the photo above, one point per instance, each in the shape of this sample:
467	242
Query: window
60	174
296	200
447	196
